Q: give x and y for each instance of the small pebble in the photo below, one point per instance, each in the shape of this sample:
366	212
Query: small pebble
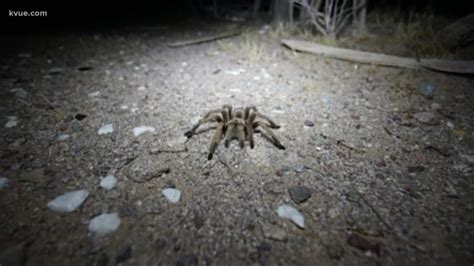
63	137
300	168
299	194
94	94
11	123
308	123
288	212
171	194
68	202
106	129
108	182
4	182
104	224
143	129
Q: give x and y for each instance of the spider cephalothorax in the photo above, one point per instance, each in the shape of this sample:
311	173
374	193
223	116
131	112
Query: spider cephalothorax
238	123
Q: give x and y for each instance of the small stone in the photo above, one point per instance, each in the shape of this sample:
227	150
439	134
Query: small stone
55	71
299	194
106	129
141	88
188	260
124	254
415	169
68	202
425	117
94	94
300	168
104	224
308	123
450	125
11	123
363	244
4	182
288	212
19	92
79	116
63	137
108	182
171	194
143	129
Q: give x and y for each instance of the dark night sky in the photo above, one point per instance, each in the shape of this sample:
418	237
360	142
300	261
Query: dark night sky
92	14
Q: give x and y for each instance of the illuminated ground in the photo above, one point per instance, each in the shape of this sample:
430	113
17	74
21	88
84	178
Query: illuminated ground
415	178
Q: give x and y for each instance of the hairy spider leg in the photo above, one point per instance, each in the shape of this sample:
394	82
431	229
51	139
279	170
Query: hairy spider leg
215	140
252	109
267	131
212	116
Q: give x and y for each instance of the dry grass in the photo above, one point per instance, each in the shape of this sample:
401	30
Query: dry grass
252	48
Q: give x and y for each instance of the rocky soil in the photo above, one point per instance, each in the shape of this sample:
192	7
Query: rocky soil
378	160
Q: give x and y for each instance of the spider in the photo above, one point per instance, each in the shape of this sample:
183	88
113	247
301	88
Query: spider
239	123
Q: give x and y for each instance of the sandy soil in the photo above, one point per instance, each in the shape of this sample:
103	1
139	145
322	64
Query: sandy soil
389	169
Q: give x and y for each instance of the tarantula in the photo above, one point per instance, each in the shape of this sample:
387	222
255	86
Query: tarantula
238	123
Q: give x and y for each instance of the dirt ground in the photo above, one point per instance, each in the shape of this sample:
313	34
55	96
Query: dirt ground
388	166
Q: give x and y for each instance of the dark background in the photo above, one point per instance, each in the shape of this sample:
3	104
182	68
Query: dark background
99	14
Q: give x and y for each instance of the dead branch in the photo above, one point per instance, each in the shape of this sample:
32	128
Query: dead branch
448	66
204	39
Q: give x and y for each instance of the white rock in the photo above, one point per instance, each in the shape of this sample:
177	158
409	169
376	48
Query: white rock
124	107
106	129
4	182
94	94
108	182
142	129
11	123
235	72
141	88
104	224
450	125
63	137
55	71
171	194
288	212
19	92
68	202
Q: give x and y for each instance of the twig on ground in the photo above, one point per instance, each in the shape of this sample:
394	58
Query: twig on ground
342	143
185	149
427	146
390	227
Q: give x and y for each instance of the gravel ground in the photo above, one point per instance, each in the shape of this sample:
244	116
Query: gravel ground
380	168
